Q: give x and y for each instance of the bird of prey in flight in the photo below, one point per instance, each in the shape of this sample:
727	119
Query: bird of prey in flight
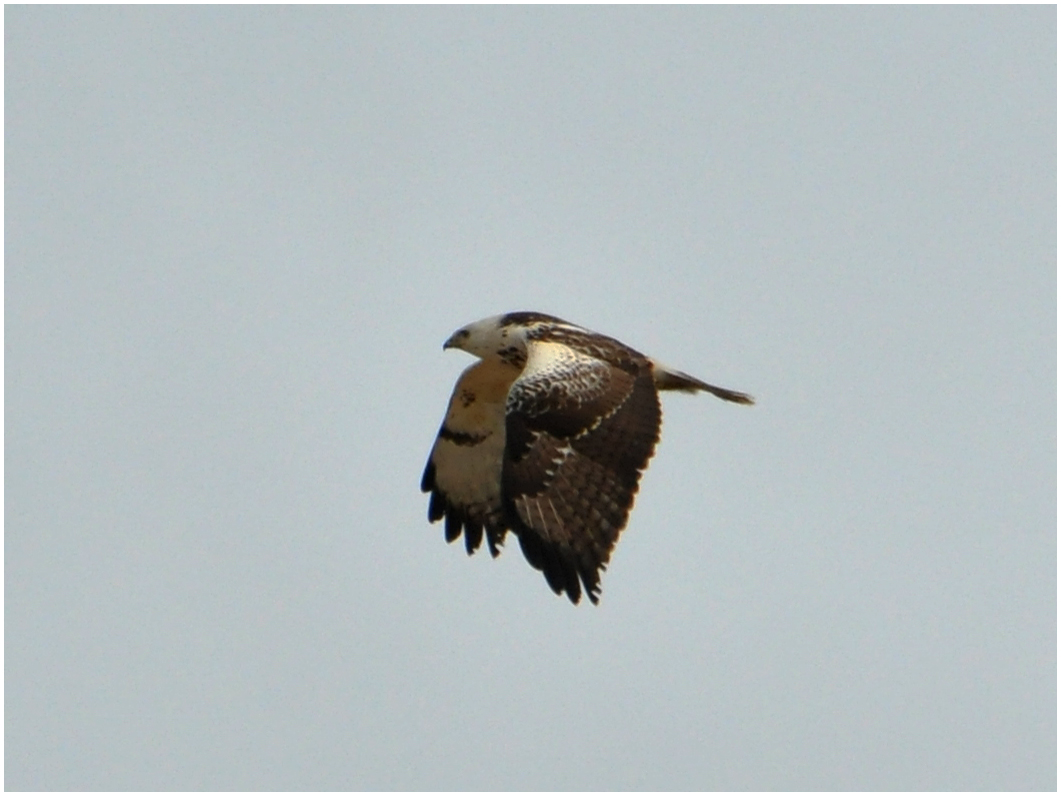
547	436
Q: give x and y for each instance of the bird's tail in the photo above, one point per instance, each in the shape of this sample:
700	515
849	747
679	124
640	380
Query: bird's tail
668	379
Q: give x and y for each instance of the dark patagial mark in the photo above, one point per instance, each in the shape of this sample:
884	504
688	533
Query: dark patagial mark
461	438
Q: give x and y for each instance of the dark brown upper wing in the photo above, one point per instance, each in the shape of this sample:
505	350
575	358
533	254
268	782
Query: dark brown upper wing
579	430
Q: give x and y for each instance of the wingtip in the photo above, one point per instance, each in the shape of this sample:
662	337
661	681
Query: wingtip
427	480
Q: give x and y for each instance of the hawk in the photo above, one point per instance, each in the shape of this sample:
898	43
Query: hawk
547	436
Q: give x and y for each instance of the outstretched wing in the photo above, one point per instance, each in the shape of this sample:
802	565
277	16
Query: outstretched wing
579	431
463	472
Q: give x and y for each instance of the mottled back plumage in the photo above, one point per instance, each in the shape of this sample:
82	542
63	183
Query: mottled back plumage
547	436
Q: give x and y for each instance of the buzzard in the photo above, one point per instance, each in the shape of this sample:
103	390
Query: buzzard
547	436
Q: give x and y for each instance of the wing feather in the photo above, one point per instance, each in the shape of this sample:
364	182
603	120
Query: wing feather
463	472
579	431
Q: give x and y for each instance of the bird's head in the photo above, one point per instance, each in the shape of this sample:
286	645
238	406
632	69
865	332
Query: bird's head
485	338
502	335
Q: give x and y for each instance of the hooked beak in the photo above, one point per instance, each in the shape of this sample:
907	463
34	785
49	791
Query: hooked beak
455	339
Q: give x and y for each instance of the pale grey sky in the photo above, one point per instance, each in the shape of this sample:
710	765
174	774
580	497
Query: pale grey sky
236	239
